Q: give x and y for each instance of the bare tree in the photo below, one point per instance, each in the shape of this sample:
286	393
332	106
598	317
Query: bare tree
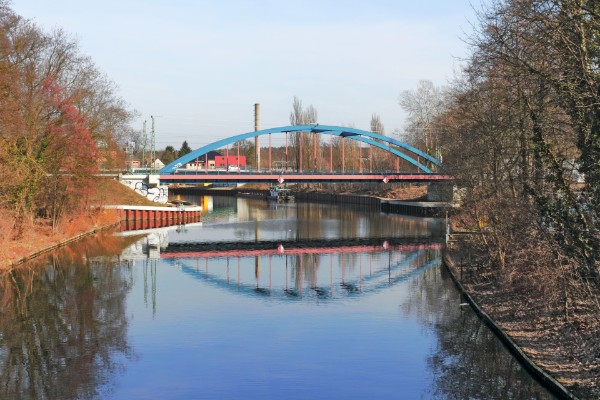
522	135
306	146
376	125
422	105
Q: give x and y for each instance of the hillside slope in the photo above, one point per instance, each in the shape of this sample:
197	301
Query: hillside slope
39	235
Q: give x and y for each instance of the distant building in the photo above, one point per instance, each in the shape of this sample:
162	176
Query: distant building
199	163
157	164
230	161
131	164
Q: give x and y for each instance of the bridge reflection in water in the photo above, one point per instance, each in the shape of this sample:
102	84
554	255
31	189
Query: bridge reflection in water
254	303
294	270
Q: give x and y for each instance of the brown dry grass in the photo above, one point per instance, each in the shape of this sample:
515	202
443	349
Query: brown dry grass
409	192
111	192
396	192
38	235
532	311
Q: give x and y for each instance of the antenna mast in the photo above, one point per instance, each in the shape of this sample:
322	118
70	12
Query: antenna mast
144	146
152	148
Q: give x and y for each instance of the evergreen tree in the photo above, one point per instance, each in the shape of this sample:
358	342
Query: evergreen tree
185	149
168	155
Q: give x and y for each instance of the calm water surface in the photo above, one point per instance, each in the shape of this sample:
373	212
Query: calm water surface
185	313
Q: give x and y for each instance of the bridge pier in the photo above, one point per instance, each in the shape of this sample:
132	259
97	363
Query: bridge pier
146	185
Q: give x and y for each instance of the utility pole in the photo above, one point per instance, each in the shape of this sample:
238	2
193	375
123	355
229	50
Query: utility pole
144	146
152	148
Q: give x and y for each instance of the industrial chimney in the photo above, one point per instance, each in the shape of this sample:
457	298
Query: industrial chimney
257	128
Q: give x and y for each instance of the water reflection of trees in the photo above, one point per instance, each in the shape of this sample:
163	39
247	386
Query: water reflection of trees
63	323
313	220
355	272
469	362
367	222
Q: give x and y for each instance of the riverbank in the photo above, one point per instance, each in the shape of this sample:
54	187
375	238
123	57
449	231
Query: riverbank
567	348
456	272
38	236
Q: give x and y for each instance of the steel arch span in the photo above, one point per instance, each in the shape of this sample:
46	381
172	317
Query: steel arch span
371	138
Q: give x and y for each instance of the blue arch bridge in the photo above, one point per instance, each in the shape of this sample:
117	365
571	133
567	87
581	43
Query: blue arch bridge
313	154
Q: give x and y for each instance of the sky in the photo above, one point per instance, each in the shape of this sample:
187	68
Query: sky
199	66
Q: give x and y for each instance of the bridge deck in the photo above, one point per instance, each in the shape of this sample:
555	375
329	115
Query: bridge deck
294	177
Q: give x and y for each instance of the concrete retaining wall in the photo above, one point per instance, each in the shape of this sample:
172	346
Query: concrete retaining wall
147	186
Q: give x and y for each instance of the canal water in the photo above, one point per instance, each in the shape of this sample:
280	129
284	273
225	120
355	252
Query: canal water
257	301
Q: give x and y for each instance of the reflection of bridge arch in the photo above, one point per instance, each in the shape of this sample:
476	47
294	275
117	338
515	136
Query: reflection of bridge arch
371	138
383	277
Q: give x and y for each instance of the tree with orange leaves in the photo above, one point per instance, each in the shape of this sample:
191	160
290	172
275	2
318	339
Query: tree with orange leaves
54	109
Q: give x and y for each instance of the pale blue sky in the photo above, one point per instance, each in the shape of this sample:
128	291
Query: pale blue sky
199	66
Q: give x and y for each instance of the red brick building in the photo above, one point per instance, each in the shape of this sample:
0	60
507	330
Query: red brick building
231	161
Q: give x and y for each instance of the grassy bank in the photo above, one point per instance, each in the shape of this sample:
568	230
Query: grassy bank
38	234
